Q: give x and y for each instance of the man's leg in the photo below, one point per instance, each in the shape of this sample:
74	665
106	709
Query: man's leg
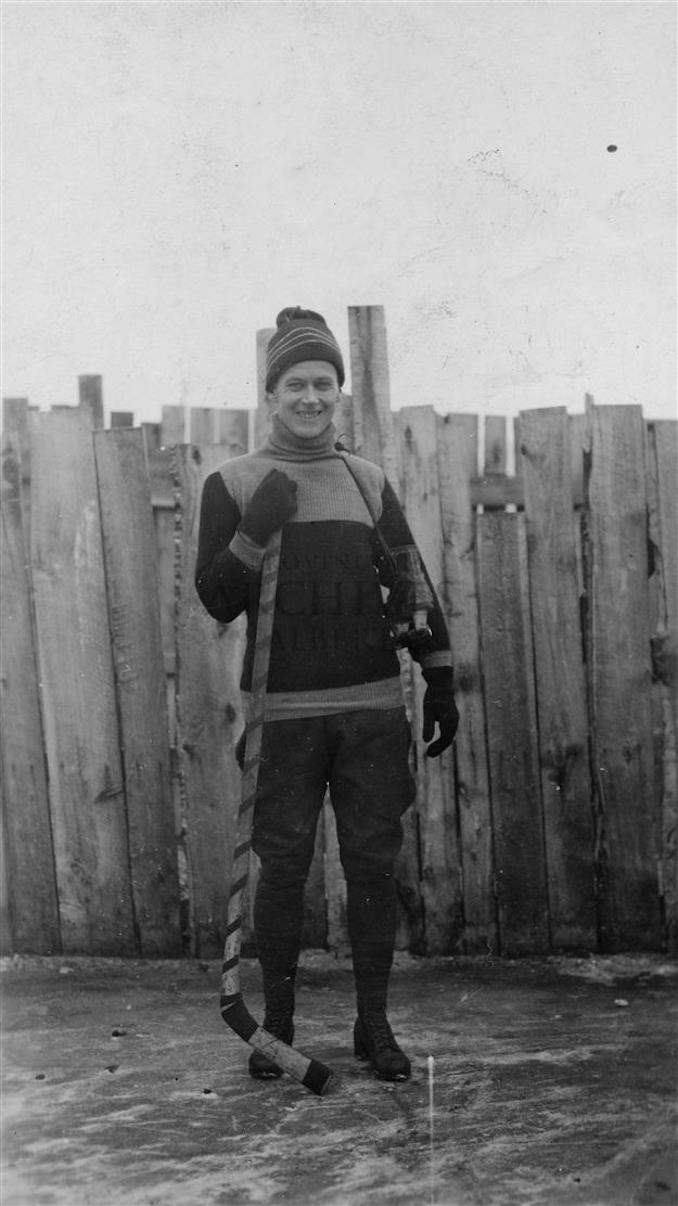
290	793
371	787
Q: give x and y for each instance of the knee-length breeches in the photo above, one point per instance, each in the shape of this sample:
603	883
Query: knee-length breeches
363	757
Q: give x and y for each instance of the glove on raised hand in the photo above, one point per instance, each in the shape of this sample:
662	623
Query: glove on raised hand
439	706
274	502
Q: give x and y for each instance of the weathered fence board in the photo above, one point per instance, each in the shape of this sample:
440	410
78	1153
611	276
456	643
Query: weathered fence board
495	445
134	618
164	520
663	479
438	846
152	437
30	883
208	713
7	941
457	465
91	398
232	431
202	425
544	447
82	741
16	437
173	425
619	658
373	421
511	731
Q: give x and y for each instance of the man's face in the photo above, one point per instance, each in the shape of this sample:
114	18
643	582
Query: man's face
305	396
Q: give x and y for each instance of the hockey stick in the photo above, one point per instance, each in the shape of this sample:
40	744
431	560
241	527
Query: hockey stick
310	1072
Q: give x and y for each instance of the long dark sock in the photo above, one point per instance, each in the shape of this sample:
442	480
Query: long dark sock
372	914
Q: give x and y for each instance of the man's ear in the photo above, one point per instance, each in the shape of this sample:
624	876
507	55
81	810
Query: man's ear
271	402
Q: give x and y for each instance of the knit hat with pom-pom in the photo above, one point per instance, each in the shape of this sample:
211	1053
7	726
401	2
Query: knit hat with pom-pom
300	335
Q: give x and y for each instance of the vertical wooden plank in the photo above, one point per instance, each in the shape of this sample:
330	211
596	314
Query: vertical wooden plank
163	517
619	667
91	398
16	438
161	473
15	426
495	444
7	946
577	425
512	739
202	424
208	717
544	447
173	424
663	479
457	466
159	461
30	883
438	845
373	425
232	431
152	438
134	617
87	801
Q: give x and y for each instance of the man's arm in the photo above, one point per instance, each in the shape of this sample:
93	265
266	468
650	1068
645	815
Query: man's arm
434	656
222	580
231	547
396	532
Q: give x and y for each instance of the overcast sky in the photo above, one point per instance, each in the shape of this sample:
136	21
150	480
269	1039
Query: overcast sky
176	173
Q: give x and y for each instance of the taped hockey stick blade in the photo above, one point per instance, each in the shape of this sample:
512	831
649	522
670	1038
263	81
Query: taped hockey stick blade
311	1073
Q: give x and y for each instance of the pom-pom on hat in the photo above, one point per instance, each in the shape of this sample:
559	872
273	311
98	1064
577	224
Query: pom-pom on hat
300	335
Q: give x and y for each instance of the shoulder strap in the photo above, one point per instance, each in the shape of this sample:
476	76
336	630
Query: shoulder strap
386	551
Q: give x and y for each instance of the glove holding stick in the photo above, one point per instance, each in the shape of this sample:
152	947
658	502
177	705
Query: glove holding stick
274	502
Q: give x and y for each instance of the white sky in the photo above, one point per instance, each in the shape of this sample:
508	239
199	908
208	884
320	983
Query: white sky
176	173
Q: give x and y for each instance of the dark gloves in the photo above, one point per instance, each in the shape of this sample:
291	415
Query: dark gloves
439	706
274	502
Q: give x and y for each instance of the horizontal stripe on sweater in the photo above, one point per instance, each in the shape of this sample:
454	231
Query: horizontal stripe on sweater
289	705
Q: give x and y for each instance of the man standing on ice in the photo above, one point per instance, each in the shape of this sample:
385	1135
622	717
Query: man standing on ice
334	712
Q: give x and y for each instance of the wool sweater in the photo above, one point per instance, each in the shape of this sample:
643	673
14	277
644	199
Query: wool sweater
331	650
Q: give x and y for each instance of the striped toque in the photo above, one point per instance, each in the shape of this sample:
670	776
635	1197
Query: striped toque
300	335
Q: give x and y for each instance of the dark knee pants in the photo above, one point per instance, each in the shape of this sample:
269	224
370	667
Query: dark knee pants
363	757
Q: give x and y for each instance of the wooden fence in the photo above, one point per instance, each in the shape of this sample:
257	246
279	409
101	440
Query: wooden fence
550	826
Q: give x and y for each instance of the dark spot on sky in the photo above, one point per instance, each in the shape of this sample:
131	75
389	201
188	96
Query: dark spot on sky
612	147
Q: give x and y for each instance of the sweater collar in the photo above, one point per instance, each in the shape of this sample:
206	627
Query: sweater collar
285	446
